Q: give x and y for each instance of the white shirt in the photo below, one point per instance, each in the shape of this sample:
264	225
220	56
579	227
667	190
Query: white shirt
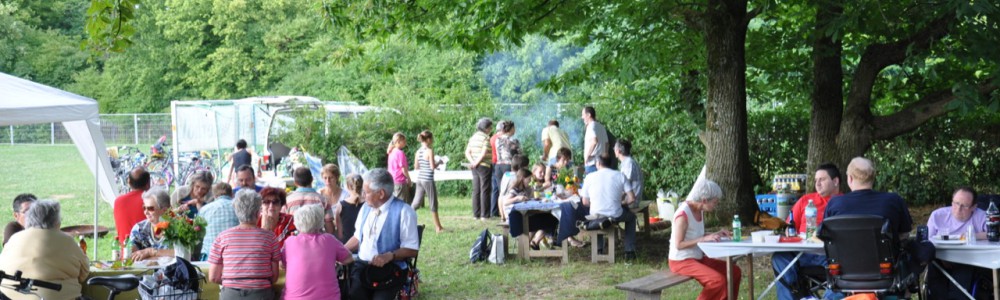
605	189
594	129
367	250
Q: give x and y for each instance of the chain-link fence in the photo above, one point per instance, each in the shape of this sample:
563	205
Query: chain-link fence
118	129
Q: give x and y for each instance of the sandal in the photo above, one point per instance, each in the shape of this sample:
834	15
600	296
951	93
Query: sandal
533	245
576	243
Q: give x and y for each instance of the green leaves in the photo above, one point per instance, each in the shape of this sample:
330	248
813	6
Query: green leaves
109	25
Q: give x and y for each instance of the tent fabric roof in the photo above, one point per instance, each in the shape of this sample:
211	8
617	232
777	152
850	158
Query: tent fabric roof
26	102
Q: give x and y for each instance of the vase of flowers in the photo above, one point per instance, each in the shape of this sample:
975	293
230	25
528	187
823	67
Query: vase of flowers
568	177
182	232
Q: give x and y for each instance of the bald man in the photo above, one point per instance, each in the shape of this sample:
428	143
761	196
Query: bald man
862	200
128	206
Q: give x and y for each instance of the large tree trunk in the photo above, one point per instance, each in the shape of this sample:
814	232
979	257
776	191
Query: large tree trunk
727	156
827	94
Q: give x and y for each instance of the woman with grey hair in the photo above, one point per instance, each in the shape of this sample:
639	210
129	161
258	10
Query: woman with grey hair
146	242
309	258
196	193
689	230
41	251
244	259
480	156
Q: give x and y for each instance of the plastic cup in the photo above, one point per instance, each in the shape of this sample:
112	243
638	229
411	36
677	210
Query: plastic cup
758	236
772	239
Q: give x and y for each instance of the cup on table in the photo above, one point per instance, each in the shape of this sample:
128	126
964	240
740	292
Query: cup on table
772	239
758	236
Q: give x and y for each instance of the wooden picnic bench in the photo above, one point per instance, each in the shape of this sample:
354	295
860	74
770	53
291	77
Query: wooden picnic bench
650	286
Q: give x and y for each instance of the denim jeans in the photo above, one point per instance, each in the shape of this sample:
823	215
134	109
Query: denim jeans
779	260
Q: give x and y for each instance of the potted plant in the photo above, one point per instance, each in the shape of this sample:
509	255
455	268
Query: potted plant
183	232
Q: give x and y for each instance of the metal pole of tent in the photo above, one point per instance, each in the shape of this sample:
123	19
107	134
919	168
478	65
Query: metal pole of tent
52	133
97	190
173	133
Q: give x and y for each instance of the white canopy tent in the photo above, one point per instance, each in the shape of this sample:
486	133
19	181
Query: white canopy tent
27	102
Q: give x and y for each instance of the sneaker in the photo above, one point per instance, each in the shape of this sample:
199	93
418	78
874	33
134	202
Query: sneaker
630	255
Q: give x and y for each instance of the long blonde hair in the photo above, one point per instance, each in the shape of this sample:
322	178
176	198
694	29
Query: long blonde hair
396	138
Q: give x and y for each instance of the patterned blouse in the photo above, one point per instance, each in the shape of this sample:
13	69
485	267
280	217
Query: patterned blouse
142	237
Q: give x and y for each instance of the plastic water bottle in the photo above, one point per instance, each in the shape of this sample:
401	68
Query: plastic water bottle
810	219
993	223
970	235
737	228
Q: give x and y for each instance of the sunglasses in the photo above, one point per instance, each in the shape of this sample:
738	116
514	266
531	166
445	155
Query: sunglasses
149	208
266	203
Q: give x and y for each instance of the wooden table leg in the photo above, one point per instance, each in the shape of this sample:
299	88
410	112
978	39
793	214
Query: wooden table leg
645	216
729	278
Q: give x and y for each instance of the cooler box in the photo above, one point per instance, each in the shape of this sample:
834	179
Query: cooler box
768	203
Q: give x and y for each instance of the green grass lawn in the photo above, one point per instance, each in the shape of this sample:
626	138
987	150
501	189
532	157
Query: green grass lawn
58	172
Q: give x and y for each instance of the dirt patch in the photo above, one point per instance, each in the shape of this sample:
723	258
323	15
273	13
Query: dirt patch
62	197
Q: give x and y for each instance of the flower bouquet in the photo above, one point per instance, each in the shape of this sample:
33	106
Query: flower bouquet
180	230
568	177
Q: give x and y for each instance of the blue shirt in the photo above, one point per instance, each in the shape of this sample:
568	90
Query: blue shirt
867	202
220	215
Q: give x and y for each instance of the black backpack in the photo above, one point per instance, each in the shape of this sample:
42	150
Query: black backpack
481	248
182	275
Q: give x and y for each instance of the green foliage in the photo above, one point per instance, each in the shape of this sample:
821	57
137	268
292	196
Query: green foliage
109	25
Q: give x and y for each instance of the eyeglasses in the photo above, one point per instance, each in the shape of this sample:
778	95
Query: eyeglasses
149	208
959	205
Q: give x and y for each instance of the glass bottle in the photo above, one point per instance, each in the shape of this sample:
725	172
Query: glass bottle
791	230
737	228
83	245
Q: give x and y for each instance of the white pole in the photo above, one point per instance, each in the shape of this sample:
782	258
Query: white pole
52	133
135	127
97	189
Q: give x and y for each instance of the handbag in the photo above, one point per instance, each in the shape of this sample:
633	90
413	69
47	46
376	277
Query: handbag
596	224
389	276
497	252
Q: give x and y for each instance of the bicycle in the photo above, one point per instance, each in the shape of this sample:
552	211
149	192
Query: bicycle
192	163
160	165
149	288
123	160
26	285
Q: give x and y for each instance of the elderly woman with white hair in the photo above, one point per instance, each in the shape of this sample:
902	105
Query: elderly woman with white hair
685	258
244	259
43	252
146	243
311	257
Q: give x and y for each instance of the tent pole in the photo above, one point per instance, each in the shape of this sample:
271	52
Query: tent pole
97	190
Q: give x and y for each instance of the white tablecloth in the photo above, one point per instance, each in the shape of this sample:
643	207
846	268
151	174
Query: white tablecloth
981	254
729	248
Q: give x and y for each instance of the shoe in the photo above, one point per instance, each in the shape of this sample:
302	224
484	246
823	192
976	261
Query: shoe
533	245
630	255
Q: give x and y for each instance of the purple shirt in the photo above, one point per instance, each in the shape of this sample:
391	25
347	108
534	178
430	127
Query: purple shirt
310	261
397	163
942	222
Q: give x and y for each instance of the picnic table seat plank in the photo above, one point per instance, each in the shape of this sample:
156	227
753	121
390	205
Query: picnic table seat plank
650	286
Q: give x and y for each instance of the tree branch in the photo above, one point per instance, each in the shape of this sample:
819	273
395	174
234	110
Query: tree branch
915	114
878	56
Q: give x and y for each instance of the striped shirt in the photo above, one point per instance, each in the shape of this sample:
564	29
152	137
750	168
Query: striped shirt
480	143
246	256
425	173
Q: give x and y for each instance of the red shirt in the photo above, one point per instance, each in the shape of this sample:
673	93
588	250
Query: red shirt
284	229
493	146
128	212
799	210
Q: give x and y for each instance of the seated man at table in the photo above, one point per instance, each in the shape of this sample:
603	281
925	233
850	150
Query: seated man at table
43	252
630	168
827	185
386	233
21	204
953	220
862	200
606	192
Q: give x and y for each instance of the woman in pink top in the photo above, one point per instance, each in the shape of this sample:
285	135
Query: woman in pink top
398	168
311	258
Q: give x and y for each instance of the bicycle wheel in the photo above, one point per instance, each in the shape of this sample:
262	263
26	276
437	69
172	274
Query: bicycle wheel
158	179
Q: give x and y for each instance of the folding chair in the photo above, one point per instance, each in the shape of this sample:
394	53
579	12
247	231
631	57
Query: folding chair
863	255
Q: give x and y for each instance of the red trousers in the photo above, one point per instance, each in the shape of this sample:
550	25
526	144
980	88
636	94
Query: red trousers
710	273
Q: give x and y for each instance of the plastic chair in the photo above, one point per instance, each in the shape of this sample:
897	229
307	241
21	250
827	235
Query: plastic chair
863	254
